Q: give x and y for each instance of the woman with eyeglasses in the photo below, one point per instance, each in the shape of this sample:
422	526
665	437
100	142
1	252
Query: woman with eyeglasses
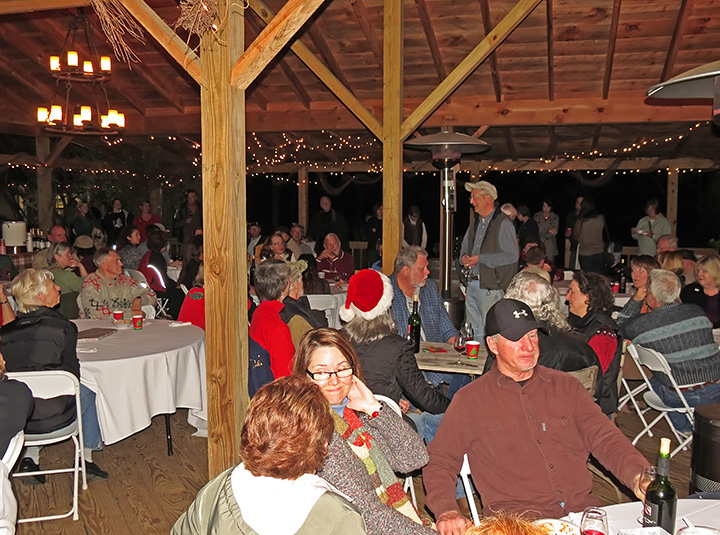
370	443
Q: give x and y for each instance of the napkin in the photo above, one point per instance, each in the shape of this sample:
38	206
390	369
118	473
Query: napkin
179	324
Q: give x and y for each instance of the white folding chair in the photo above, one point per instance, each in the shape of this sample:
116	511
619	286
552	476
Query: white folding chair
464	476
183	288
329	305
47	385
408	486
161	302
13	450
8	504
657	363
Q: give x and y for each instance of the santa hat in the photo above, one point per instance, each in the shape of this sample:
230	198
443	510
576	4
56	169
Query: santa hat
370	294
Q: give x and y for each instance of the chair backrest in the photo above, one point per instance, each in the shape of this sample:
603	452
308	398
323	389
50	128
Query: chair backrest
652	360
13	450
48	384
138	276
329	304
587	377
389	402
183	288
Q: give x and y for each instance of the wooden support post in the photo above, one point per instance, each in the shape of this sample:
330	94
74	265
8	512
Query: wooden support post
225	247
303	196
46	205
672	199
391	139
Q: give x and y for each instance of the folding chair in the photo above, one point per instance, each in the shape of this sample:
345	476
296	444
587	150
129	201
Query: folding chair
47	385
408	486
161	302
657	363
328	304
13	450
630	393
587	377
464	476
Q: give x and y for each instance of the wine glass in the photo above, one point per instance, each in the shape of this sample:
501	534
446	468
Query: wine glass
647	476
460	342
594	522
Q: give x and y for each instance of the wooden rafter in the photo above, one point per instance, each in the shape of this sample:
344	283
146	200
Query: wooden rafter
480	131
324	74
15	100
288	73
57	150
315	33
429	32
9	7
678	32
363	18
516	15
612	41
595	138
272	39
494	69
161	86
550	49
27	80
510	144
552	146
165	36
256	94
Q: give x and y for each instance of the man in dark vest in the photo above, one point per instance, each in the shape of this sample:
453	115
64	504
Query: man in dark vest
489	255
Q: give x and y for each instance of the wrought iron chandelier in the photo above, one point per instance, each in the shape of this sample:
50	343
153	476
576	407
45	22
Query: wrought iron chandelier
82	112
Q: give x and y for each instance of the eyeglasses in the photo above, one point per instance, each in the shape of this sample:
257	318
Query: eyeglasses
325	376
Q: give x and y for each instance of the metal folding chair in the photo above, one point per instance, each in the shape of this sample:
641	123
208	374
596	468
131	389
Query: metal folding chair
464	476
329	305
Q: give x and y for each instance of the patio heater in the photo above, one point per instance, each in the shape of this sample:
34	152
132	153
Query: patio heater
447	147
702	82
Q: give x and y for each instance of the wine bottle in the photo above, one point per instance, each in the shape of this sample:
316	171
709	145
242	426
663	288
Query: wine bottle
623	277
414	324
660	496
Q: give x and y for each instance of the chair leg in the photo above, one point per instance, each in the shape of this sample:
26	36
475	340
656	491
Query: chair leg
168	434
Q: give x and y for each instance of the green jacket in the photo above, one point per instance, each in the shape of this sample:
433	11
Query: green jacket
215	512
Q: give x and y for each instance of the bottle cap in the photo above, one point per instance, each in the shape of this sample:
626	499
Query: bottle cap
665	446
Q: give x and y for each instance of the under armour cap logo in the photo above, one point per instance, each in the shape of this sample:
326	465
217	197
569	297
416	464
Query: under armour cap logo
518	313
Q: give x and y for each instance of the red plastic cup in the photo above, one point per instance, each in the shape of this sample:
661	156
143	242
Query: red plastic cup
473	349
137	322
118	315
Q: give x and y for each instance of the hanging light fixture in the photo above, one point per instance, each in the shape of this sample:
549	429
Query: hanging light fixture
67	113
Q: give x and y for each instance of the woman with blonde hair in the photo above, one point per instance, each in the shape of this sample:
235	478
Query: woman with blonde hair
673	261
705	292
370	443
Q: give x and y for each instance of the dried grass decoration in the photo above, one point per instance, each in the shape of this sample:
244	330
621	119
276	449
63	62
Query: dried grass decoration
198	16
116	21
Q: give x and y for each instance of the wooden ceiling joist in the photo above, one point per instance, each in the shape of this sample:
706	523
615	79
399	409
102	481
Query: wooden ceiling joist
9	7
57	150
550	49
165	36
426	22
510	144
612	42
480	131
27	80
315	34
678	32
363	18
516	15
494	69
279	31
323	73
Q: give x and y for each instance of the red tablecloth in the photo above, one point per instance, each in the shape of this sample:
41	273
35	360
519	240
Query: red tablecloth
22	261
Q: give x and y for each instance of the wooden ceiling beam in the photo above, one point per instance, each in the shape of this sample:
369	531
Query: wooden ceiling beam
256	94
363	18
341	91
510	143
552	146
678	32
516	15
279	31
429	32
612	41
595	138
494	69
10	7
28	80
315	32
160	85
480	131
550	49
165	36
57	150
288	73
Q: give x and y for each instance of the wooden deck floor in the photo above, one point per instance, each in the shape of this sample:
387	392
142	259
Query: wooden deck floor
148	490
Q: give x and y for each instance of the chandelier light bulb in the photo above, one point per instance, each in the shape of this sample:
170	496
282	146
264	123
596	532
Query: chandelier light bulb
86	113
42	115
54	63
88	67
72	58
104	121
105	63
120	120
77	120
56	114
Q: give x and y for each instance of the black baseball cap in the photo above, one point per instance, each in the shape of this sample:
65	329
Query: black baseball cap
511	319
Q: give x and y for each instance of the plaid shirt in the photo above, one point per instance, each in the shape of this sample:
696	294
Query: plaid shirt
436	323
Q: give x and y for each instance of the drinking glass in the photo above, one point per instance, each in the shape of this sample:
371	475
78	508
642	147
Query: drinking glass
647	476
594	522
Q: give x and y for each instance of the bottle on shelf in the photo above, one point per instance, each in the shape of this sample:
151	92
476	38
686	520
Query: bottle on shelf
660	496
29	242
623	276
414	325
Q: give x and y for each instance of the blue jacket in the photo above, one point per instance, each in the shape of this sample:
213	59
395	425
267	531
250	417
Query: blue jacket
436	322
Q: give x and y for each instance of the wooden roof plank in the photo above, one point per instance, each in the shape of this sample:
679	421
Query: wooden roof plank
427	27
494	68
279	31
363	18
28	80
9	7
516	15
315	34
612	42
550	50
323	73
678	32
165	36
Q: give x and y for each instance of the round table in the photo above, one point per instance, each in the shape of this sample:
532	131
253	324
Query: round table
139	374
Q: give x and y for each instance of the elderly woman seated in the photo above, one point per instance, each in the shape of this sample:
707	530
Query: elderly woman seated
63	267
41	339
275	489
706	291
371	442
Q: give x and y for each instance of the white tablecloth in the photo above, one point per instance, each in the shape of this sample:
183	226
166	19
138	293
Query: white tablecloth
700	512
140	374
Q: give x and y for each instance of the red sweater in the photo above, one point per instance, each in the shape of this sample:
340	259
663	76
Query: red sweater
273	335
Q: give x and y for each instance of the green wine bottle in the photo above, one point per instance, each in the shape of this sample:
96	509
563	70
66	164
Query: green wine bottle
660	497
414	325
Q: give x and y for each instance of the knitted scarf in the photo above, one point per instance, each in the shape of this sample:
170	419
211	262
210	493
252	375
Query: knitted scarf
387	486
